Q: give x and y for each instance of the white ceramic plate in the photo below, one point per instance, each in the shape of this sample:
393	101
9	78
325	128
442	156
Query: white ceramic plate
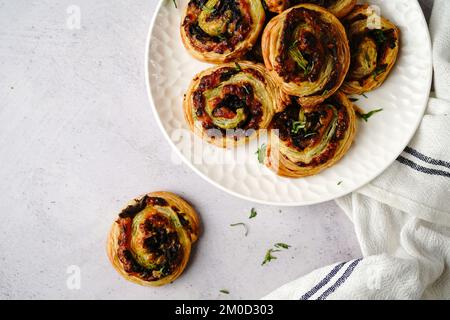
379	142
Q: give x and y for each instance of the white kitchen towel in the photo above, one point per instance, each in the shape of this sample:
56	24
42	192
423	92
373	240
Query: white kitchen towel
402	219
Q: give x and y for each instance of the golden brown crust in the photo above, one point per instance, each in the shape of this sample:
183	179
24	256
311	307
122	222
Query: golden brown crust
374	43
150	243
277	6
226	105
340	8
305	141
221	31
306	48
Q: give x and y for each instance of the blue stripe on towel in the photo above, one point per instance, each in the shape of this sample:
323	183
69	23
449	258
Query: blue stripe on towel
427	159
323	282
422	169
340	281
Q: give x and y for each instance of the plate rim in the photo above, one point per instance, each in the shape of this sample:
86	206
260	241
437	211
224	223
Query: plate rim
274	203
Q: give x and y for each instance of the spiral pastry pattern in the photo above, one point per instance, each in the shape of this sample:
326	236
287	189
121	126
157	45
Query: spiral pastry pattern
150	242
374	45
305	141
218	31
306	48
228	104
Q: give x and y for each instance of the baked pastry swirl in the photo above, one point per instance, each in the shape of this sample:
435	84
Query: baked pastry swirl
374	51
304	141
218	31
150	242
307	49
340	8
228	104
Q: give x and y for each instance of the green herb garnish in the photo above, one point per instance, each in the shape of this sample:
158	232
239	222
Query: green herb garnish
163	270
253	213
310	134
175	3
240	224
379	36
269	257
221	37
208	10
300	124
224	291
366	116
282	245
339	183
308	69
325	92
261	153
364	95
353	99
298	57
297	125
238	67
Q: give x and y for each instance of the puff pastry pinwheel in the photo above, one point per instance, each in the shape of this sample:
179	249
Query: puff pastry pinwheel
340	8
307	49
218	31
305	141
150	242
374	45
228	104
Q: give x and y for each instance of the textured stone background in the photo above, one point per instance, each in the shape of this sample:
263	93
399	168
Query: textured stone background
78	140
